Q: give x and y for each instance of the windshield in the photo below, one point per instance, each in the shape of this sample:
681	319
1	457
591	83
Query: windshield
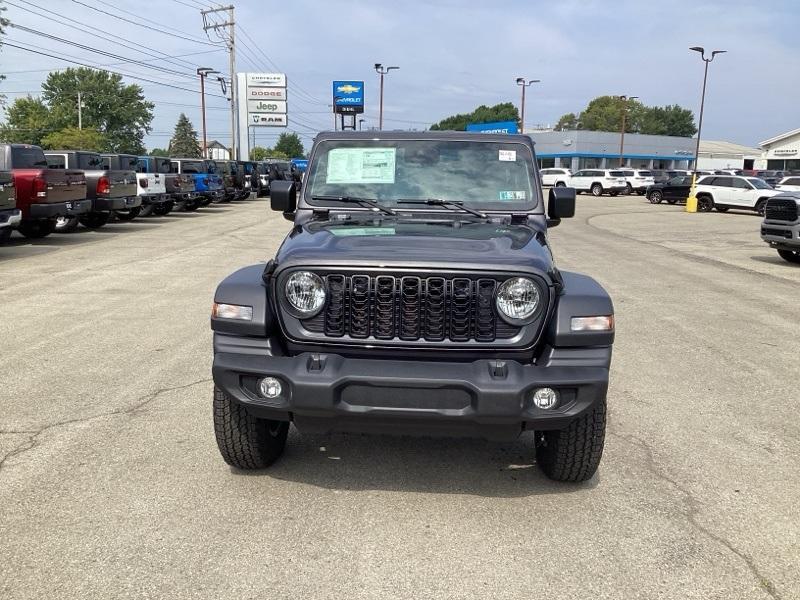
90	161
488	175
28	158
760	184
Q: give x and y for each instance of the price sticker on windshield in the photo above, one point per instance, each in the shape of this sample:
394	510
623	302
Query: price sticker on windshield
508	155
512	195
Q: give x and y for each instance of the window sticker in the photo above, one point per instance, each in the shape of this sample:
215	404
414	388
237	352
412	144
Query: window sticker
361	165
507	155
351	231
512	195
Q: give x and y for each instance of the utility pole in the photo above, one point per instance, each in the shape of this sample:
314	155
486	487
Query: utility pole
204	72
622	132
80	111
231	41
381	70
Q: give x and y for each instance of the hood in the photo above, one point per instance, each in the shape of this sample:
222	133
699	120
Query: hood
417	243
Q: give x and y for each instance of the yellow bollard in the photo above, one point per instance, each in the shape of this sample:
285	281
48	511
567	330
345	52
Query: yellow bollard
691	201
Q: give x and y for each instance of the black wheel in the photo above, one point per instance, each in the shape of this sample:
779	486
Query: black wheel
95	220
792	256
244	441
37	229
129	214
5	235
164	208
146	210
560	184
596	189
671	200
628	189
574	453
655	197
761	206
191	205
613	193
705	204
721	208
66	224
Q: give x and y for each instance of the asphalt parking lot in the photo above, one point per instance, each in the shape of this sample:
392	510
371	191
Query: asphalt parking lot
111	484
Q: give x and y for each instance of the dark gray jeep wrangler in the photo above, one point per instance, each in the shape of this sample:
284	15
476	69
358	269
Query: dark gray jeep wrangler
416	293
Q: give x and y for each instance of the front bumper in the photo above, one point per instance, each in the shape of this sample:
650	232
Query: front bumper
484	398
781	235
122	203
10	218
79	207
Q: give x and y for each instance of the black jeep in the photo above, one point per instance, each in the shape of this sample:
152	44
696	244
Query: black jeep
416	293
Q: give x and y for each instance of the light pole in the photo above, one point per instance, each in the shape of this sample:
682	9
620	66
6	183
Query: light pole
81	106
381	70
521	81
625	100
691	201
204	72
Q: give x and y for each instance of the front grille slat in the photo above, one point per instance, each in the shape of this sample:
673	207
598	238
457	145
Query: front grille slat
781	209
411	308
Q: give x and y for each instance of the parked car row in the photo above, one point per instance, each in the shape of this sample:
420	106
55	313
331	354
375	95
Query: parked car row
42	192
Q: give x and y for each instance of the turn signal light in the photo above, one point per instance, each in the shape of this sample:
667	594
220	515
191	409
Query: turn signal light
600	323
232	311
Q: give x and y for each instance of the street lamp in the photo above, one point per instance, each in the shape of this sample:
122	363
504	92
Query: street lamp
204	72
521	81
625	100
381	70
691	201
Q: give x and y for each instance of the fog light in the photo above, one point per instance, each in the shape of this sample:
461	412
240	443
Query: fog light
545	398
270	387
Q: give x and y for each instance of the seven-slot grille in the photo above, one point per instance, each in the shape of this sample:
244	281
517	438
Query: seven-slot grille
410	308
781	209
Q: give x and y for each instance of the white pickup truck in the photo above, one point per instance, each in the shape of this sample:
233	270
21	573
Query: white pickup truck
723	192
150	187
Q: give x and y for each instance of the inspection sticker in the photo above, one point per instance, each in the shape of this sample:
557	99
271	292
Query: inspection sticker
512	195
349	231
361	165
508	155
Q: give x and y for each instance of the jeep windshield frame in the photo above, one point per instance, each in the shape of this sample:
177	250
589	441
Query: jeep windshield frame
484	173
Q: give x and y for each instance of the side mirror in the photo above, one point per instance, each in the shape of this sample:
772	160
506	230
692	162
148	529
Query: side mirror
560	205
283	196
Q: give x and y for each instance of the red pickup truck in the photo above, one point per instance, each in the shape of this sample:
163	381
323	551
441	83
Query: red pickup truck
43	194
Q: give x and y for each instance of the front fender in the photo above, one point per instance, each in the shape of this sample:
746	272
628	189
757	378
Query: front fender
245	287
581	296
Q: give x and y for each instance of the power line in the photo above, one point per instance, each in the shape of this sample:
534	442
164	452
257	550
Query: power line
149	27
107	64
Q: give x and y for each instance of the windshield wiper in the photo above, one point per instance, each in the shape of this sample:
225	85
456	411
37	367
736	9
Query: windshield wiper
451	204
357	200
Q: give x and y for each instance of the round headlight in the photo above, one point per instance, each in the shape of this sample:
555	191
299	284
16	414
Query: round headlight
518	298
305	293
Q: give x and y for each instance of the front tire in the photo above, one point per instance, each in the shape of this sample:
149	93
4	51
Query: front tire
95	220
66	224
560	184
761	207
129	214
597	190
655	197
792	256
574	453
244	441
705	204
5	235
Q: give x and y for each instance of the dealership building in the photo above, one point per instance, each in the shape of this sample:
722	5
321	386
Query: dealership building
782	152
581	149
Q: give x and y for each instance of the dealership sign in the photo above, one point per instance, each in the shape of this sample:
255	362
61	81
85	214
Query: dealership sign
266	100
496	127
348	96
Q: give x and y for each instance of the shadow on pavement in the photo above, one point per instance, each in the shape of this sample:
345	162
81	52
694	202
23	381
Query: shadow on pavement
407	464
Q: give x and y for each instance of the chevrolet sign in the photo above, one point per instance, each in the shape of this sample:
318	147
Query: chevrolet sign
348	96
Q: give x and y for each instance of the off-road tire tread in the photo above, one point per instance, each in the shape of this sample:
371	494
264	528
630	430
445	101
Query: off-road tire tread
573	454
243	440
790	256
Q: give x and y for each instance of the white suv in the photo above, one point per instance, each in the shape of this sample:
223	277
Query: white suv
638	180
555	177
731	191
598	181
789	184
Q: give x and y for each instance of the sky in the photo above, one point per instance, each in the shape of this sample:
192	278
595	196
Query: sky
453	56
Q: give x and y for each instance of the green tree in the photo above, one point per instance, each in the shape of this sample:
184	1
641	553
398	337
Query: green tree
483	114
604	113
119	111
158	152
289	144
259	153
184	141
567	121
27	122
72	138
668	120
